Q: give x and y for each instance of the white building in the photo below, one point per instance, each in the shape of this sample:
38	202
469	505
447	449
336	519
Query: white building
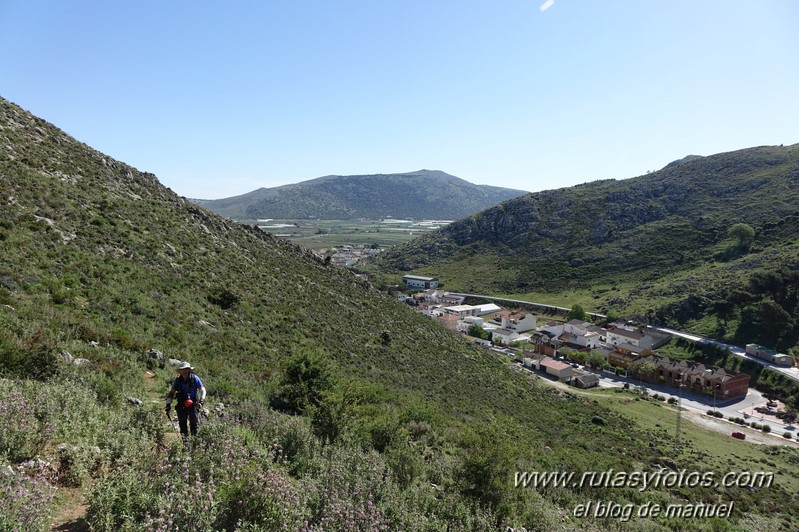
636	338
419	282
581	333
504	336
488	308
468	321
515	321
462	311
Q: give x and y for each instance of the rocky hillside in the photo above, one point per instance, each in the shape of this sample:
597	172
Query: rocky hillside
426	194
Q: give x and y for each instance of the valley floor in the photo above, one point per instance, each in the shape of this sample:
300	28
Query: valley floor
696	414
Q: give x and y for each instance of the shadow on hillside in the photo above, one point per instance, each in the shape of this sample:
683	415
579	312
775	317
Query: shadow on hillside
731	253
76	525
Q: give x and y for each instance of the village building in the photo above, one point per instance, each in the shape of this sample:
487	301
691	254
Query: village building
584	379
532	360
470	321
769	355
556	368
419	282
504	336
698	378
582	334
462	311
622	358
450	321
636	337
487	308
515	320
543	343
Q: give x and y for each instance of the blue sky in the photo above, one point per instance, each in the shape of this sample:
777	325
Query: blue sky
220	98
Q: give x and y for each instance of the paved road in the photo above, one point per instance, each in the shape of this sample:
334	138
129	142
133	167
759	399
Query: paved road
701	403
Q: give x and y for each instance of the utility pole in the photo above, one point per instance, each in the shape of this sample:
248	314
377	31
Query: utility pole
679	412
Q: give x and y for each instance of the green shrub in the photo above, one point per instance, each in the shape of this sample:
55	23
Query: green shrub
149	422
121	500
77	463
33	358
307	376
21	437
25	501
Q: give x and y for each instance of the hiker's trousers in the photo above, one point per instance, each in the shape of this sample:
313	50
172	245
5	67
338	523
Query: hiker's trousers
187	419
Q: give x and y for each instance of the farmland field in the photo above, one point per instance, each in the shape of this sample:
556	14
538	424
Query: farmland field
325	234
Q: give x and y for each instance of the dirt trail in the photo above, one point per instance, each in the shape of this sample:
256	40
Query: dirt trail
69	515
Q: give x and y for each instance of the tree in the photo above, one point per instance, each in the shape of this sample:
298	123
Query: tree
743	233
648	368
307	377
768	284
577	312
773	321
581	357
596	360
642	368
478	332
724	310
485	465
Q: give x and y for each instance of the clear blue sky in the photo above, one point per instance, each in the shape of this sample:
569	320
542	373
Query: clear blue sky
220	98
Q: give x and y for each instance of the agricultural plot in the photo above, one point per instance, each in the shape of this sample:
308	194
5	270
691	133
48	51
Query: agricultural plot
325	234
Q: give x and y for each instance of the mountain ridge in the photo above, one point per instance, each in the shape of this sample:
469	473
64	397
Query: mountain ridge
422	194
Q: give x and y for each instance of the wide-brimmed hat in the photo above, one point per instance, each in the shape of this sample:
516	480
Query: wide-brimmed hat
184	365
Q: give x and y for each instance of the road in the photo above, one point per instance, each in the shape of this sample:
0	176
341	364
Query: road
698	405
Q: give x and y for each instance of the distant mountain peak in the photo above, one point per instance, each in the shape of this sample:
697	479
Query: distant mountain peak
420	194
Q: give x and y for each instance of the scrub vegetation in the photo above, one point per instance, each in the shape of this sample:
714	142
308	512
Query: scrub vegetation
333	407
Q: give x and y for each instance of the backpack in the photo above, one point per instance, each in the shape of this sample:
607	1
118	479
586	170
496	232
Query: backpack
184	390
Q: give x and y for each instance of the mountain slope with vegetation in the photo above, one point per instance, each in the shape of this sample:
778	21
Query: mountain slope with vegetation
426	194
332	406
711	243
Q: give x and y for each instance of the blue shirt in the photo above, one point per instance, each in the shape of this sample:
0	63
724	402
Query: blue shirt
187	388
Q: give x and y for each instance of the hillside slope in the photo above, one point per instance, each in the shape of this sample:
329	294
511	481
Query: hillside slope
341	408
426	194
644	245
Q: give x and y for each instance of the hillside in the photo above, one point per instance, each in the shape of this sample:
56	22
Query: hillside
332	405
657	247
426	194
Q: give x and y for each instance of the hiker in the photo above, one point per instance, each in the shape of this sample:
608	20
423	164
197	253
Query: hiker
188	389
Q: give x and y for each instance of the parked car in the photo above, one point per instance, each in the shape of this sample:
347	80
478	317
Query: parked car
739	435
